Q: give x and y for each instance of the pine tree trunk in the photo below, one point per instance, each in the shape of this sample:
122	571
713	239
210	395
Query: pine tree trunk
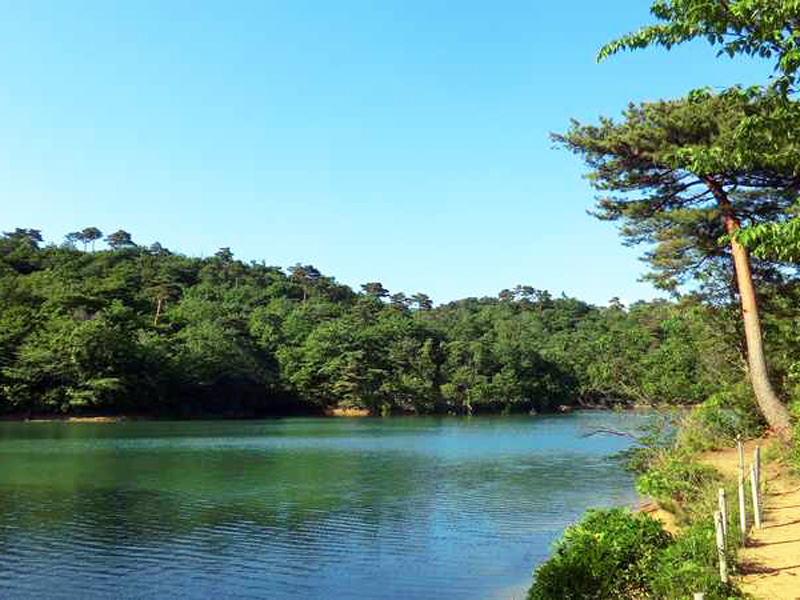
159	304
773	410
771	407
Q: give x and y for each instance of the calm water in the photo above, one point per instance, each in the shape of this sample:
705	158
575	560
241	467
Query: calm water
405	508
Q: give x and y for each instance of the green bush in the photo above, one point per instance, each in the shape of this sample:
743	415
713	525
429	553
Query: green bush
607	555
718	421
675	480
618	554
689	565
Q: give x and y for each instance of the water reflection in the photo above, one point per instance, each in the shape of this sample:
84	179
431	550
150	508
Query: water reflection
397	508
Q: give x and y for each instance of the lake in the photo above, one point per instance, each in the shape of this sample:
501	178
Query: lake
396	508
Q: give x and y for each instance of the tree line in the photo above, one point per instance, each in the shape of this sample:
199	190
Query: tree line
708	183
141	329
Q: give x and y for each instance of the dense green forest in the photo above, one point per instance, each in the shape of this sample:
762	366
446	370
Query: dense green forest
141	329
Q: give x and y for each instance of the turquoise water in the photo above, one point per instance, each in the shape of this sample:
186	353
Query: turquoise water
395	508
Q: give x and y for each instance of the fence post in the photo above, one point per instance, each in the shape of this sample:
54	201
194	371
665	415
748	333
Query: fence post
723	509
756	504
699	596
742	509
723	566
758	469
740	447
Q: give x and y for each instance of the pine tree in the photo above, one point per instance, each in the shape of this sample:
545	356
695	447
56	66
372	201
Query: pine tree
666	173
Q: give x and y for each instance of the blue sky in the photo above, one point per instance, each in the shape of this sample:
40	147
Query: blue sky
396	141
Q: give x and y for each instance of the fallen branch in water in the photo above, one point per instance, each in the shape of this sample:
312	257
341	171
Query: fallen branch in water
608	431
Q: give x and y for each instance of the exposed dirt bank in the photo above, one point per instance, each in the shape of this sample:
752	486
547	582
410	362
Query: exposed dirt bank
348	412
72	419
667	518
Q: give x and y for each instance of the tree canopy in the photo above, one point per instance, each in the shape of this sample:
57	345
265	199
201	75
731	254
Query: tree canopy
646	170
764	28
151	331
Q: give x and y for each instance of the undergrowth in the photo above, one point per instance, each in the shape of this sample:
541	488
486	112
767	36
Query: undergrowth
605	541
617	553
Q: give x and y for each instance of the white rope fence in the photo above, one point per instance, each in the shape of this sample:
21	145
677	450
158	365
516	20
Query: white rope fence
721	516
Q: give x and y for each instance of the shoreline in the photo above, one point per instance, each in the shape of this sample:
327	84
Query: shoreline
331	413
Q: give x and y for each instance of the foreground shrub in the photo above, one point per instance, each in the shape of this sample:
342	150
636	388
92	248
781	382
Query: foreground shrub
674	481
607	555
689	565
616	554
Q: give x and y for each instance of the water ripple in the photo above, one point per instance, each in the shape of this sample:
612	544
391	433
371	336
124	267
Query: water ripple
397	508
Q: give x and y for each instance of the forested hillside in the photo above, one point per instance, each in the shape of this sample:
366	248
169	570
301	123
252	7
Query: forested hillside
134	329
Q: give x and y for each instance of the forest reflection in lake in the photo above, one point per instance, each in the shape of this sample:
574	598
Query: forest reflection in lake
297	508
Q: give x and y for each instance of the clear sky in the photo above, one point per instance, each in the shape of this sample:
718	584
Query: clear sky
396	141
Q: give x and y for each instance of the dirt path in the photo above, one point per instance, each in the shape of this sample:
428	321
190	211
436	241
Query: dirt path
771	559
